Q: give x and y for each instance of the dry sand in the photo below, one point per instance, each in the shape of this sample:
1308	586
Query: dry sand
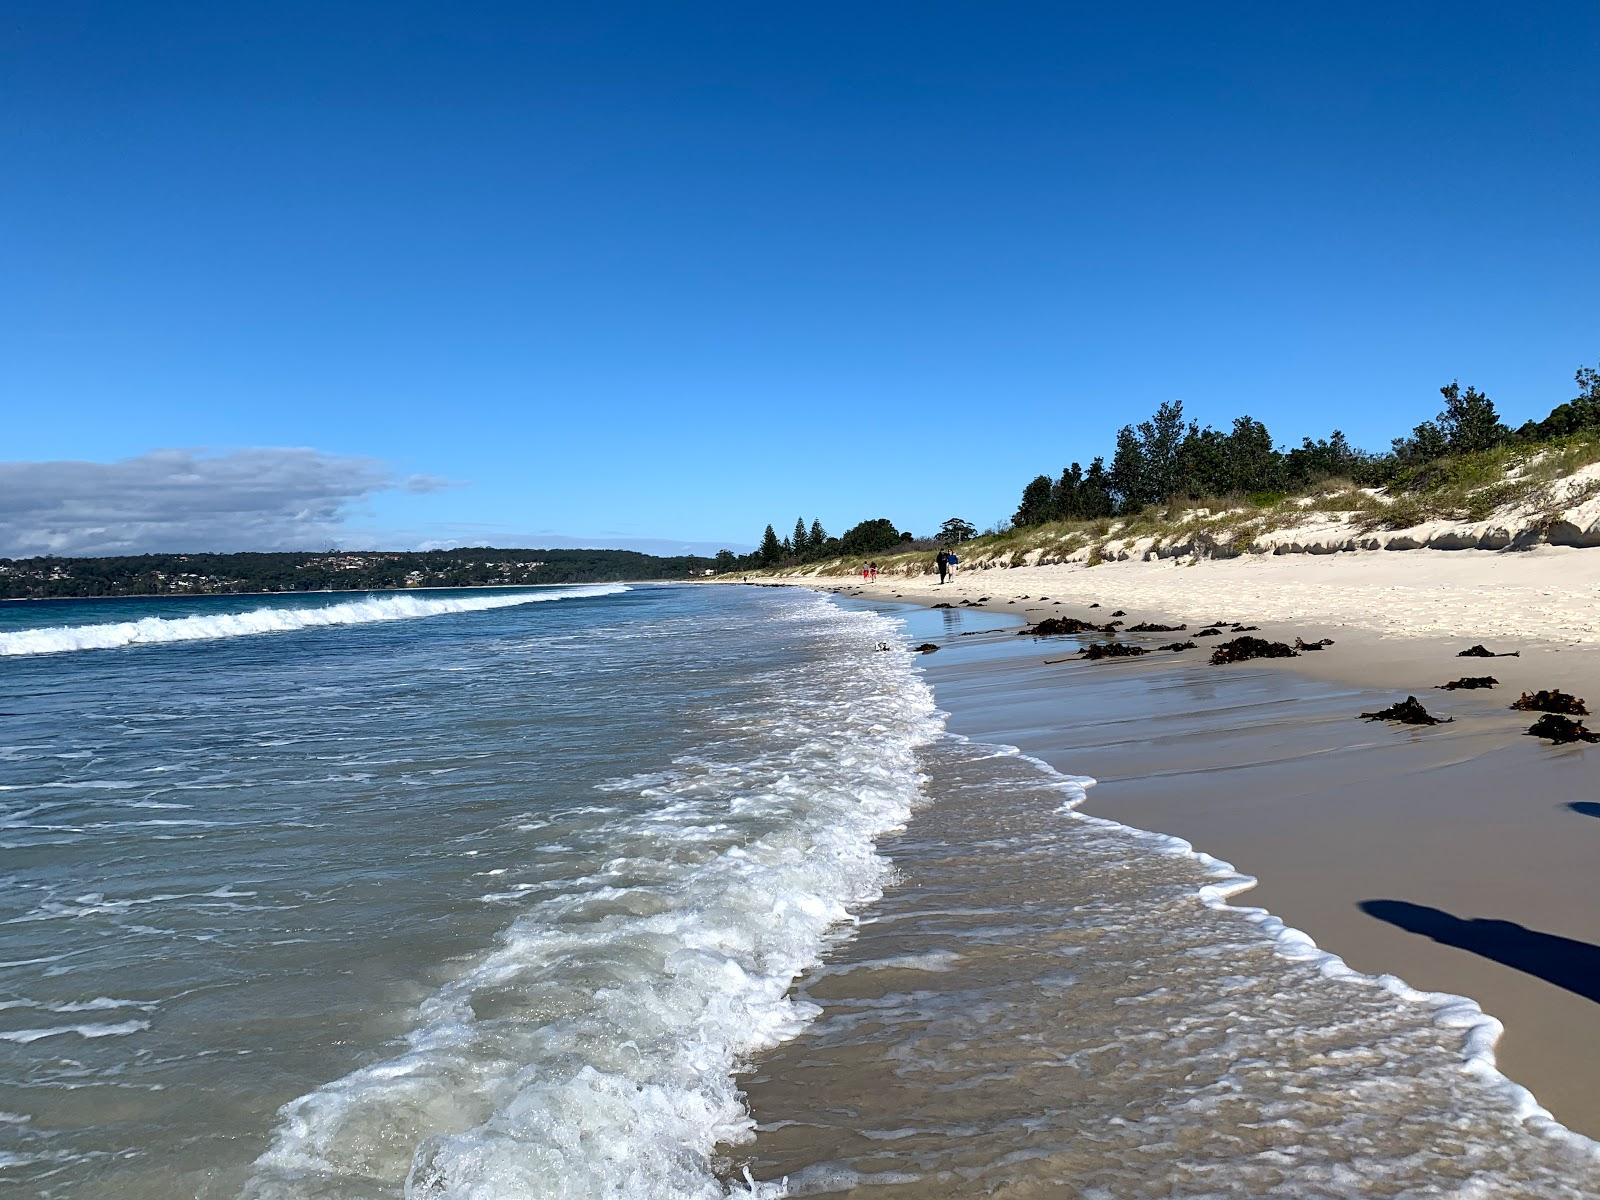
1488	835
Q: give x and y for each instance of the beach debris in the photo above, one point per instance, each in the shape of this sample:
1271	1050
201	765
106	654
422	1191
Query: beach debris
1551	702
1481	651
1096	650
1058	626
1562	730
1237	628
1149	627
884	646
1119	613
925	648
1178	646
1302	645
1043	598
944	605
1096	604
1469	682
1407	712
1209	633
1245	648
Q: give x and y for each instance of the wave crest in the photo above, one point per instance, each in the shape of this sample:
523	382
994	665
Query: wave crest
113	635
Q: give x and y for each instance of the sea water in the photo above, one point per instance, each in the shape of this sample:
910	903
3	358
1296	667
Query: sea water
504	894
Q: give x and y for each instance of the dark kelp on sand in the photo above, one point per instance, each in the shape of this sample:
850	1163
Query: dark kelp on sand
1561	730
1553	701
1243	649
1407	712
1468	682
1060	626
1482	651
1111	650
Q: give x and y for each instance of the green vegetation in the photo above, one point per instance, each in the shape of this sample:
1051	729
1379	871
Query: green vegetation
351	570
1217	490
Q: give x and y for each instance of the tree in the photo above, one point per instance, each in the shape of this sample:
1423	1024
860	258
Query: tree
1251	463
870	537
726	561
1095	495
1035	506
1469	421
1161	438
801	541
818	538
1203	463
1580	413
1065	503
1127	475
1426	443
954	531
770	552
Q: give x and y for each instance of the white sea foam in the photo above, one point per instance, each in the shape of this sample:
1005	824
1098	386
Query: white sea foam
275	619
1481	1030
593	1052
120	1029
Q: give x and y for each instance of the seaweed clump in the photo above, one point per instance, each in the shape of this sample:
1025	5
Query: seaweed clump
1243	649
1178	646
1482	651
1468	682
1110	650
1058	626
1554	701
925	648
1562	730
1209	633
1302	644
1407	712
1148	627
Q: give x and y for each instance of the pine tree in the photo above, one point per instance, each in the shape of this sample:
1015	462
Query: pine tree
818	538
1096	491
771	551
1127	475
801	540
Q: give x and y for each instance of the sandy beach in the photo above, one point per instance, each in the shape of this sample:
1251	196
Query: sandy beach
1459	857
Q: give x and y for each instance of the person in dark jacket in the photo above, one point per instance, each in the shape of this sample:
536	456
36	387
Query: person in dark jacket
943	563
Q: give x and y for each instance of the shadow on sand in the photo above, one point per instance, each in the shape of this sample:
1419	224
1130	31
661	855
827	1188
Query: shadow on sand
1565	962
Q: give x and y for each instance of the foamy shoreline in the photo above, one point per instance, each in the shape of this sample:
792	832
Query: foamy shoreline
1470	819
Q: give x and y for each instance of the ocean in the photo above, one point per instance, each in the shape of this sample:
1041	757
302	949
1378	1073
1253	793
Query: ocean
648	891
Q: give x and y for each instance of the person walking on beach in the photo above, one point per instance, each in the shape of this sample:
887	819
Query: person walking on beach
950	561
943	564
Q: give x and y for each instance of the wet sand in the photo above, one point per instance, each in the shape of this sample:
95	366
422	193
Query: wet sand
1460	857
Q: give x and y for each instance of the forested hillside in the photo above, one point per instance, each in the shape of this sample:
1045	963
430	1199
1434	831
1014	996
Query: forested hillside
204	574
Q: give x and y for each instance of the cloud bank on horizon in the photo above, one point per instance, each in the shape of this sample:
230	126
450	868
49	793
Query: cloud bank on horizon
178	501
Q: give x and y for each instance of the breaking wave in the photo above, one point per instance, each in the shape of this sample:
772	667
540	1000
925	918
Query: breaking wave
113	635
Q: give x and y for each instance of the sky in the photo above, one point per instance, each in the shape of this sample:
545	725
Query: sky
302	275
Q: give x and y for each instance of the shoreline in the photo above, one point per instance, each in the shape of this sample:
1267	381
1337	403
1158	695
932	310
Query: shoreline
1466	842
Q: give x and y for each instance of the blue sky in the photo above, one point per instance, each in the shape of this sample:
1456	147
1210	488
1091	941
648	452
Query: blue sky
671	271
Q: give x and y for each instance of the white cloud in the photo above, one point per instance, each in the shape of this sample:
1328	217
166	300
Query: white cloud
182	500
266	499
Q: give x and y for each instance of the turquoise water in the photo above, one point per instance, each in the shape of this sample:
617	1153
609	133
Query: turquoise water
506	894
244	867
